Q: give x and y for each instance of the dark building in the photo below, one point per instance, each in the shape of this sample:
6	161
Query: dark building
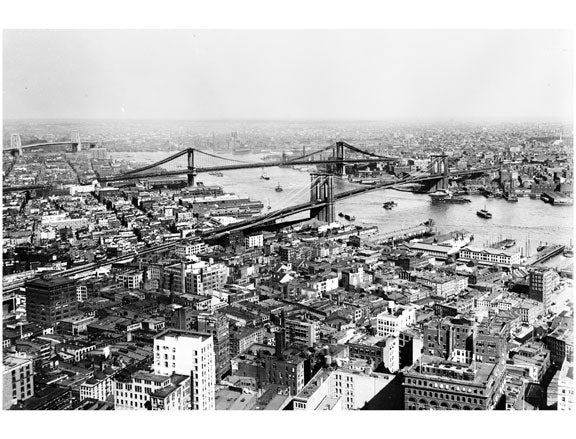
217	325
48	301
450	337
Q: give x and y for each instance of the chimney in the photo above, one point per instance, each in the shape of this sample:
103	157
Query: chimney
182	277
280	339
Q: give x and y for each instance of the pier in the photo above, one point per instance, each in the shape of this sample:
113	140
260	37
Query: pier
545	254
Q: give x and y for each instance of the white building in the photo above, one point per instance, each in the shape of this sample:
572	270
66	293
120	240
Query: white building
340	389
490	256
566	386
99	387
188	251
395	319
325	284
131	279
192	354
143	390
254	241
17	380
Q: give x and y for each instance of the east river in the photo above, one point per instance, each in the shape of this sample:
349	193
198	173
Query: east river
530	222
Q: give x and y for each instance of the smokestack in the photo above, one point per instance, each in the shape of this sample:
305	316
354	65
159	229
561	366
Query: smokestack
280	338
182	277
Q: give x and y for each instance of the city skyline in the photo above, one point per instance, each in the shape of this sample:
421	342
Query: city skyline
400	75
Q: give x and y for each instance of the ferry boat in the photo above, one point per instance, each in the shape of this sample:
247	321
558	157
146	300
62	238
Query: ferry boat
483	213
279	188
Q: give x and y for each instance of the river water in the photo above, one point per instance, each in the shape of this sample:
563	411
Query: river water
529	222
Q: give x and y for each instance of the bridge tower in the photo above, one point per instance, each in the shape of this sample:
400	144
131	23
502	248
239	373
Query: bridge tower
191	167
439	167
16	143
321	190
76	144
340	169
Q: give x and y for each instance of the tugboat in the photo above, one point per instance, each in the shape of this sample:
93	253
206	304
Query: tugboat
483	213
341	214
264	176
279	188
350	218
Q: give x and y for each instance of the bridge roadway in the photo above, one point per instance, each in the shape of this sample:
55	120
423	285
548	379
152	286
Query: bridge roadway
198	170
38	145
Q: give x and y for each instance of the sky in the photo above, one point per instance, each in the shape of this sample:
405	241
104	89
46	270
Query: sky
386	75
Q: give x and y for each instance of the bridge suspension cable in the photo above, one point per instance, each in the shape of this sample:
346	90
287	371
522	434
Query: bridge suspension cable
361	151
156	164
218	157
311	154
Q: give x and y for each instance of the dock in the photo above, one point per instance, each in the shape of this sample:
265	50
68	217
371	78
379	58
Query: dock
404	234
556	198
545	254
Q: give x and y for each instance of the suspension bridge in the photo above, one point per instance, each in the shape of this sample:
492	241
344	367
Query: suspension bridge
199	161
17	148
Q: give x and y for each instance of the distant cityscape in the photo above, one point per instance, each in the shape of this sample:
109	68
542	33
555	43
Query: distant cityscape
287	265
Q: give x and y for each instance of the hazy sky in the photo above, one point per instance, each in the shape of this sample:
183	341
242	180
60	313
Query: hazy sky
377	75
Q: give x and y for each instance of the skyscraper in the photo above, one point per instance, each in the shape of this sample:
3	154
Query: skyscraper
188	353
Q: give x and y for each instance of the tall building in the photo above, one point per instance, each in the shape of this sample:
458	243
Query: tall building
395	319
17	380
301	331
437	384
541	286
48	301
191	354
450	337
566	386
217	325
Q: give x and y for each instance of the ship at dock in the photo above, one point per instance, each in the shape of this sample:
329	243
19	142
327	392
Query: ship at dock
446	197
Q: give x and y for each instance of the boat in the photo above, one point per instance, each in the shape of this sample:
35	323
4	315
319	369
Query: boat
510	243
439	194
510	196
450	200
279	188
389	205
350	218
264	176
340	214
568	253
216	174
483	213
